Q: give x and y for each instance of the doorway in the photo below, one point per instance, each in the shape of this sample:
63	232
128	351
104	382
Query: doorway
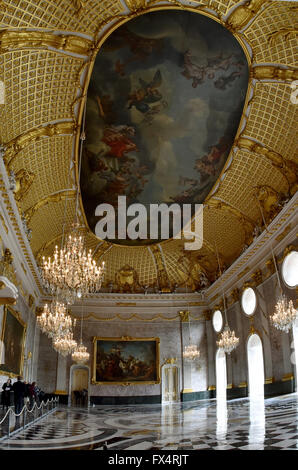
170	384
79	386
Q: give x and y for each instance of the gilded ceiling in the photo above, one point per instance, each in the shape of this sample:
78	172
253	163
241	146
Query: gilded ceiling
48	49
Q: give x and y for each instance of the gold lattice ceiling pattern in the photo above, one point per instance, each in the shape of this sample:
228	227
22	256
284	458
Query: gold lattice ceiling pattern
48	48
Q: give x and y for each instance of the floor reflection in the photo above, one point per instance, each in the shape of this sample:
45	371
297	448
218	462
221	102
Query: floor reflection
257	423
205	425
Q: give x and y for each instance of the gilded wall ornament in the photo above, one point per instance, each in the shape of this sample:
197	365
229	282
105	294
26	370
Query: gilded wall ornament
127	279
241	16
24	180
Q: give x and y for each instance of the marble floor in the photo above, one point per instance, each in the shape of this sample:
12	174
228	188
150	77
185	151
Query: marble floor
204	425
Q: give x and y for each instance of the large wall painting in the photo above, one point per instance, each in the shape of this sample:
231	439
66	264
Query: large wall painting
164	104
126	361
13	338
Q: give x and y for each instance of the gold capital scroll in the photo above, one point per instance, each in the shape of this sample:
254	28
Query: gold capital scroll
288	168
243	14
184	315
11	40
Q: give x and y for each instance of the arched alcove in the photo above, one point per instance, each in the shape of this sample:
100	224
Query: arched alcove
255	361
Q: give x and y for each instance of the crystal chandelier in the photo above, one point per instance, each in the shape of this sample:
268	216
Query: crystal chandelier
228	341
64	344
54	320
72	272
80	354
284	315
191	353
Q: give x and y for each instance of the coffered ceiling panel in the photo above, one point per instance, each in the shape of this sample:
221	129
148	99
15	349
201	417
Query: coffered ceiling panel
273	34
40	87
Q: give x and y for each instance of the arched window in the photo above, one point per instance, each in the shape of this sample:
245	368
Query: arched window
255	361
221	375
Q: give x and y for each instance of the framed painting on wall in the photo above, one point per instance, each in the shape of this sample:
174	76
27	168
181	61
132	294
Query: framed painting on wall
13	341
126	361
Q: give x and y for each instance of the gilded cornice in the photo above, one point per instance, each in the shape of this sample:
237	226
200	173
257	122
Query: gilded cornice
14	146
12	40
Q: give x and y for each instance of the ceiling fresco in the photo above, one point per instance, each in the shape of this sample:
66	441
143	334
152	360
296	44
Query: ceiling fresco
164	104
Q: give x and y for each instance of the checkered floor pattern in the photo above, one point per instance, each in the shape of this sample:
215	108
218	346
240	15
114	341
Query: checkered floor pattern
206	425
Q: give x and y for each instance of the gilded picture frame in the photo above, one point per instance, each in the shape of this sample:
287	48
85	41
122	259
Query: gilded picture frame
125	361
13	339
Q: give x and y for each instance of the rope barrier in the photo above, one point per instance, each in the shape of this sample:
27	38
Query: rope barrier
25	408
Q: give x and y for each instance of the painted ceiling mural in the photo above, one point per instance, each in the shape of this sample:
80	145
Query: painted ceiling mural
164	104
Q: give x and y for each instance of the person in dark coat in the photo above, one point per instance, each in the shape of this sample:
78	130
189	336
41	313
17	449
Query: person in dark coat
19	393
7	388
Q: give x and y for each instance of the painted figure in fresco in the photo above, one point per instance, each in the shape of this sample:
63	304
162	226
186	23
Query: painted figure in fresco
223	82
143	97
119	141
140	47
199	73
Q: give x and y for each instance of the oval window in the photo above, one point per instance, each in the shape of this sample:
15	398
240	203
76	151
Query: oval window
289	269
217	321
249	301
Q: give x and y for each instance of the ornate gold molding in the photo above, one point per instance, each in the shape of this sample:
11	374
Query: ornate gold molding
263	72
207	314
79	6
239	17
270	200
162	275
47	200
288	168
14	146
11	40
24	180
7	268
3	223
285	33
257	277
247	224
235	295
